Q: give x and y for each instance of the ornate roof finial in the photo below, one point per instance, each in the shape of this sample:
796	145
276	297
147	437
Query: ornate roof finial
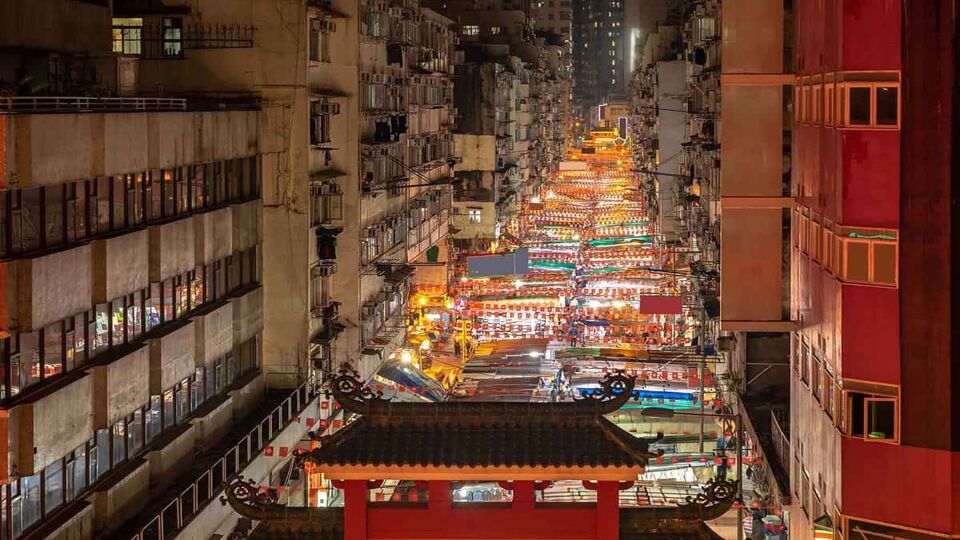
351	392
615	390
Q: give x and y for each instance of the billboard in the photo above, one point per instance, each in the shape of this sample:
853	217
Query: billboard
516	263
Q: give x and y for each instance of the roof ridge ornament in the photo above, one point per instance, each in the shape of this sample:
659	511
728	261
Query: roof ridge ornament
718	491
616	389
352	392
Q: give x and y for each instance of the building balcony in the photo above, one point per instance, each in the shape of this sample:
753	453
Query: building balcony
185	506
81	104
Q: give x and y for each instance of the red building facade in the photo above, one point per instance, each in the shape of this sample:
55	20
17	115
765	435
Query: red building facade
875	384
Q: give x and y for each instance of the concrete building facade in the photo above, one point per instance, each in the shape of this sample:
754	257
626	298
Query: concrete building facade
220	212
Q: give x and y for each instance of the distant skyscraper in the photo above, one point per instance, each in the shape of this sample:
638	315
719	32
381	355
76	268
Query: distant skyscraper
598	57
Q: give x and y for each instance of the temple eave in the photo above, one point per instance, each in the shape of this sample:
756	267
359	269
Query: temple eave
482	473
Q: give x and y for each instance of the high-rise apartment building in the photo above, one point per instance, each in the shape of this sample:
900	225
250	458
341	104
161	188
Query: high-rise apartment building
553	16
203	210
873	430
512	102
599	58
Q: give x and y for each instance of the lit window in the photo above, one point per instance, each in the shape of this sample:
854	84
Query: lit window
495	30
471	30
127	35
474	215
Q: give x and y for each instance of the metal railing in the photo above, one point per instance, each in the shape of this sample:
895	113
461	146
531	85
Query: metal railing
180	509
781	442
81	104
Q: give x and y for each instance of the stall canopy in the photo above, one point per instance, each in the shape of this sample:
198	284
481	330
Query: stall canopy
410	382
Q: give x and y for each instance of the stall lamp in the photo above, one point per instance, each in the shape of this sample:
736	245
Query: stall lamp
425	346
518	283
406	357
534	354
423	301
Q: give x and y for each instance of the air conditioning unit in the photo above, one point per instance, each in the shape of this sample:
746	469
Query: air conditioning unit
327	26
329	107
326	270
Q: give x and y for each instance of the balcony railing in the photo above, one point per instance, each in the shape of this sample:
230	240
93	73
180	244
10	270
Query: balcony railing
165	520
80	104
781	441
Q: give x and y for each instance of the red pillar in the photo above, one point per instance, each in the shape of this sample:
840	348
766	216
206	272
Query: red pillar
438	495
608	510
355	497
524	495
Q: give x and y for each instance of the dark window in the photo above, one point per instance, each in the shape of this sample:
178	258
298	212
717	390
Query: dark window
53	486
53	206
119	441
881	418
76	473
135	432
859	106
888	105
27	221
154	424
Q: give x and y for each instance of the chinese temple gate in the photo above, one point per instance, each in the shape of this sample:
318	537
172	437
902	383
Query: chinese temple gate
522	446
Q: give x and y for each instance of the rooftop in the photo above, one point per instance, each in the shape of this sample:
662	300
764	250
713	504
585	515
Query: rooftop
481	440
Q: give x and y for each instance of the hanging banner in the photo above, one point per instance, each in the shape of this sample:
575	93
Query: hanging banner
661	305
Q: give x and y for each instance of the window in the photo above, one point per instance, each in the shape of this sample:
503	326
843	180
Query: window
53	486
805	363
326	203
127	35
320	112
873	417
859	106
495	30
172	36
815	377
319	41
816	117
474	215
471	30
870	260
869	100
888	106
76	473
827	391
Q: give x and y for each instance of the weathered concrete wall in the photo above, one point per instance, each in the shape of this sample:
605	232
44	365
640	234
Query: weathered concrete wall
120	266
36	441
121	500
172	357
214	235
51	149
120	387
52	287
214	334
172	249
247	315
